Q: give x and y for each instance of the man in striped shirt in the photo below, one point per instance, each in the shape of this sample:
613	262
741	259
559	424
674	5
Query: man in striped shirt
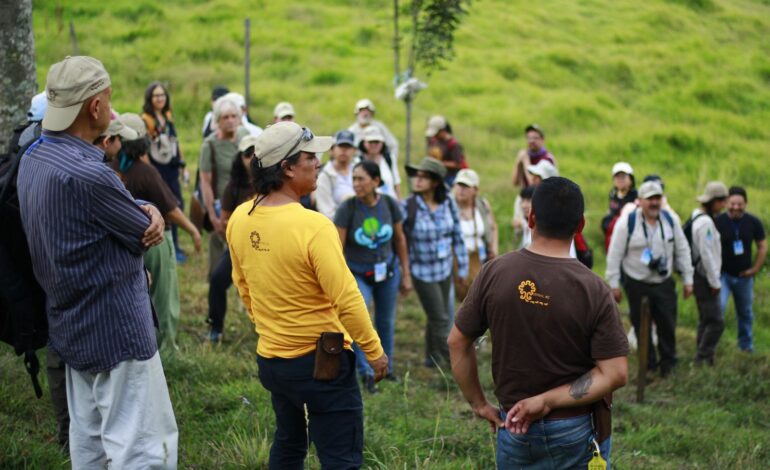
86	237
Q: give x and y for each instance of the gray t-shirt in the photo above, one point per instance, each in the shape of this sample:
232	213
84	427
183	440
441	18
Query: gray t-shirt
370	229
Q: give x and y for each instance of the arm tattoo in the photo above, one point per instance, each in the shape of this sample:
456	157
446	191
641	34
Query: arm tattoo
579	387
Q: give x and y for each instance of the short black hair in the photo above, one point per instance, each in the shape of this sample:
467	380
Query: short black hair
527	192
558	206
738	191
267	180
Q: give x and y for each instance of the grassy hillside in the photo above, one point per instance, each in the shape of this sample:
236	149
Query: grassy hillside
676	87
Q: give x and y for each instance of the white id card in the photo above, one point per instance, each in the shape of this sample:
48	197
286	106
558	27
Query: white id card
380	272
442	247
646	256
738	247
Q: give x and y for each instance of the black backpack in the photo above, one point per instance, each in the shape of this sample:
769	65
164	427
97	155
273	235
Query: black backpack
687	229
23	321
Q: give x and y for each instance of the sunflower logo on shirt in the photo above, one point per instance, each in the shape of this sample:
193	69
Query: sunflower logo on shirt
528	293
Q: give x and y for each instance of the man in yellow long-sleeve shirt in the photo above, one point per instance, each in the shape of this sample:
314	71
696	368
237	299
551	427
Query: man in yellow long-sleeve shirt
290	271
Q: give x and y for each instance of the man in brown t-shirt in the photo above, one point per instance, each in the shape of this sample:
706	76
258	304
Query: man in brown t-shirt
558	343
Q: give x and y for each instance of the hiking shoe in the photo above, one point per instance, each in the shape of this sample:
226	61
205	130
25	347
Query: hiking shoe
215	336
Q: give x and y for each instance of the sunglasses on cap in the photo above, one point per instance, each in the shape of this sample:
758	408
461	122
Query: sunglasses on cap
307	136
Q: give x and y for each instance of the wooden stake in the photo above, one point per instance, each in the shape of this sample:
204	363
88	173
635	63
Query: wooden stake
644	348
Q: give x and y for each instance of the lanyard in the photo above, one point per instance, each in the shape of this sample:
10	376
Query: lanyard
737	227
647	238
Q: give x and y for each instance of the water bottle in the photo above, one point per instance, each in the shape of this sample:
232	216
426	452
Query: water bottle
218	207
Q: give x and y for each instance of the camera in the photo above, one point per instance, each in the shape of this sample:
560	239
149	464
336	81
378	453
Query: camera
659	265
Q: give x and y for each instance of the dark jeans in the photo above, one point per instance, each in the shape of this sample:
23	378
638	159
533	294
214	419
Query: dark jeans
742	289
711	321
221	279
550	444
57	385
663	311
335	413
437	299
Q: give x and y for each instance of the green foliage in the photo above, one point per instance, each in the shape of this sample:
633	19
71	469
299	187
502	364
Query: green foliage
437	21
674	88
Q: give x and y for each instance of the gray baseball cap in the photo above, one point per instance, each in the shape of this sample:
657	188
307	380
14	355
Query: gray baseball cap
68	85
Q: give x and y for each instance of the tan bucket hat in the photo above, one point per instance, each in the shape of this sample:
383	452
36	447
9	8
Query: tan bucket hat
68	85
714	190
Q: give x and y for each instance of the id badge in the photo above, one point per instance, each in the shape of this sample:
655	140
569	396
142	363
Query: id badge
380	272
738	247
443	249
646	256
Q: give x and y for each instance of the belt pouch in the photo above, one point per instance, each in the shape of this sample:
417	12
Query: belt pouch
328	356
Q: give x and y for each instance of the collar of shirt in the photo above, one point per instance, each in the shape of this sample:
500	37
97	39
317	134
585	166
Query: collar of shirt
89	150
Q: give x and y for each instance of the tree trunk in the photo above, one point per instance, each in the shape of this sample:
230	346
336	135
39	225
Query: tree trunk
18	82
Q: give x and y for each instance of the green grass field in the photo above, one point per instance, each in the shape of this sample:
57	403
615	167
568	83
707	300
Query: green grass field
676	87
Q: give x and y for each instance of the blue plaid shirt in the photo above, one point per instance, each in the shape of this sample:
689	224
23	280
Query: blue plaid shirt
84	232
434	234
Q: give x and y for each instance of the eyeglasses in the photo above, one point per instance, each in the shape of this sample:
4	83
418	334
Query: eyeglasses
158	95
307	136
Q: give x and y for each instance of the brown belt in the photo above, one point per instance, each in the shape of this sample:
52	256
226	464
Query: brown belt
564	413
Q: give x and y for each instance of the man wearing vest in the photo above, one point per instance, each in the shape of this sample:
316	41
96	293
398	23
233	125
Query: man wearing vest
646	245
707	259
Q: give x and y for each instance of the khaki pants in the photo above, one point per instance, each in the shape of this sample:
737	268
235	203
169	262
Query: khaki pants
122	418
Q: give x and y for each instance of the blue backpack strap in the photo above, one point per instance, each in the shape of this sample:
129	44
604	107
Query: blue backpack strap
631	226
667	215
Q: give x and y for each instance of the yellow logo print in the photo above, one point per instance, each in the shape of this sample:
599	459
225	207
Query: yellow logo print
528	293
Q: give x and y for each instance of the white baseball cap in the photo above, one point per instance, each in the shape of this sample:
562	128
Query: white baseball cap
435	124
283	109
544	169
622	167
118	128
365	103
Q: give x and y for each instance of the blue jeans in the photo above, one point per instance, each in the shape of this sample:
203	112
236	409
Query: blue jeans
550	445
742	289
335	421
385	296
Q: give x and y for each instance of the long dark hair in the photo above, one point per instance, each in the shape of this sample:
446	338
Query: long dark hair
147	108
240	177
441	193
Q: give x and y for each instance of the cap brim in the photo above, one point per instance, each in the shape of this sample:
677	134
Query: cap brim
319	144
656	193
128	134
431	132
59	119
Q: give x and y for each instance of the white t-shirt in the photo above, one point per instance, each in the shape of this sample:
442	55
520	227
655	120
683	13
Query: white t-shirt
473	232
390	178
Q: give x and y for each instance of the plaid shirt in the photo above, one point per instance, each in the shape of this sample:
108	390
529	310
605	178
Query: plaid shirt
433	233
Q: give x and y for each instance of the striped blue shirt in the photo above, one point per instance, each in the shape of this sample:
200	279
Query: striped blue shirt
436	236
84	232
